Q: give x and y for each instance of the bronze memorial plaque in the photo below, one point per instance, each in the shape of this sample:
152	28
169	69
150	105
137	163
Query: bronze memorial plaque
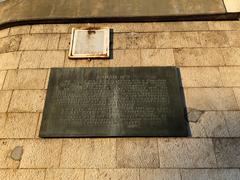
114	102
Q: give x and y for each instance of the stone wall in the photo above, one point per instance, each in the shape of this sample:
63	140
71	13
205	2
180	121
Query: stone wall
208	55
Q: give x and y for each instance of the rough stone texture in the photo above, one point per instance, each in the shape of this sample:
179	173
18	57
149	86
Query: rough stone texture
4	100
88	153
186	153
9	44
160	174
9	60
2	78
25	79
211	98
4	32
41	154
64	42
201	77
224	25
199	57
42	59
39	42
17	153
237	95
233	38
230	76
210	124
103	174
22	174
137	153
233	122
213	174
20	30
231	56
194	114
20	125
227	152
50	28
214	39
65	174
157	57
27	101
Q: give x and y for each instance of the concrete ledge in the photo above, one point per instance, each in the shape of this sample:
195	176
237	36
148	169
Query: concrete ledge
15	12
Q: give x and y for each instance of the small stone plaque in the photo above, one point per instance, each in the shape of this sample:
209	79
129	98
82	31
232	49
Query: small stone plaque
114	102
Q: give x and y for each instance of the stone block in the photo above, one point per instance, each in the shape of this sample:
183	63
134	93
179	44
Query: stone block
69	62
5	97
88	153
126	58
20	125
230	76
198	57
40	42
186	153
25	79
27	101
22	174
214	39
9	60
6	149
103	174
64	43
119	41
211	99
20	30
41	153
160	174
65	174
4	33
203	174
140	40
224	25
137	153
157	57
101	63
84	63
210	124
237	95
2	78
227	152
232	119
200	77
231	56
9	44
42	59
50	28
233	37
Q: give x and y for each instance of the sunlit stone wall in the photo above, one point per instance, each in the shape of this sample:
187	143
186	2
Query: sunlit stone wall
208	55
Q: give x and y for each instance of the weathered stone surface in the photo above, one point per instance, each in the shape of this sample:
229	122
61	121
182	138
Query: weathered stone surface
27	101
119	41
137	153
20	125
177	39
9	44
4	100
198	57
64	42
201	77
140	40
210	98
233	38
237	95
227	152
210	124
20	30
3	118
213	174
65	174
233	122
9	60
25	79
42	59
125	58
157	57
50	28
2	77
39	42
17	153
160	174
69	62
4	32
186	153
84	63
231	56
22	174
5	153
224	25
41	153
88	153
103	174
101	63
194	114
214	39
230	76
